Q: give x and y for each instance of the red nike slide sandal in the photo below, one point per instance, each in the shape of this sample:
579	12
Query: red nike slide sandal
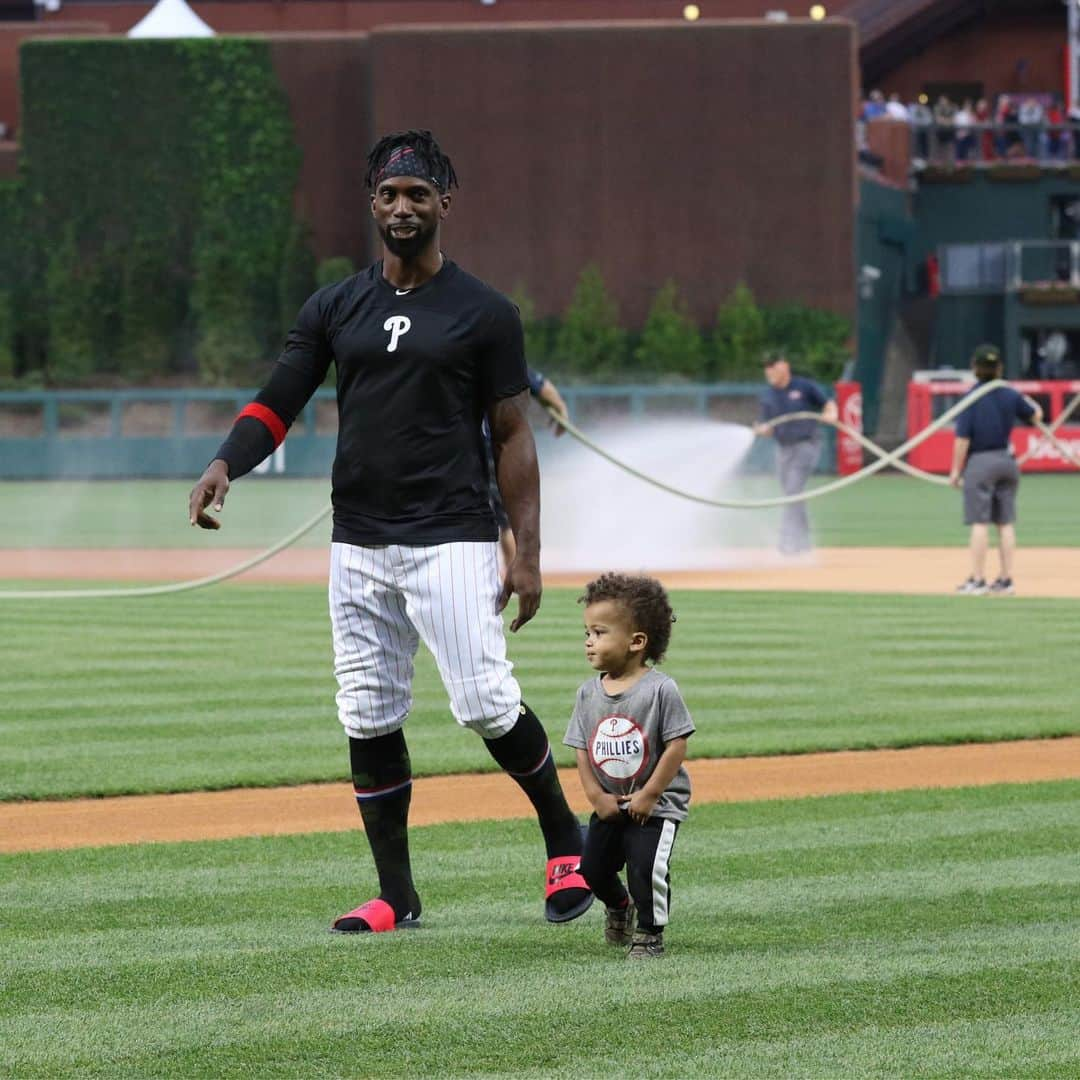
374	917
562	876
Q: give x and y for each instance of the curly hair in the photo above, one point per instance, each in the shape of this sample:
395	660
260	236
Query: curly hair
645	600
424	145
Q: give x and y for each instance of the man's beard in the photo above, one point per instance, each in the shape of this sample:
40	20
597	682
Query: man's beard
407	247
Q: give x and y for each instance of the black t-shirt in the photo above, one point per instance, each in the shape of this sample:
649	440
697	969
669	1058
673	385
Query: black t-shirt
416	372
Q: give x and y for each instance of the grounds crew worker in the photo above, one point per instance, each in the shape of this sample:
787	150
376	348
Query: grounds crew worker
798	442
983	457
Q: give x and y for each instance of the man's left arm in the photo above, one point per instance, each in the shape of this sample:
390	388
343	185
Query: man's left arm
518	476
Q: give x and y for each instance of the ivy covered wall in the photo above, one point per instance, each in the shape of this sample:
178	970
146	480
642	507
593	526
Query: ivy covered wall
153	212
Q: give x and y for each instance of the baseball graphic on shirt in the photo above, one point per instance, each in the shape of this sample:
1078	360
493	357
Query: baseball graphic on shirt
618	748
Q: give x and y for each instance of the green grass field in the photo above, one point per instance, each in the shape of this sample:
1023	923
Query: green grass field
883	511
234	686
912	934
915	934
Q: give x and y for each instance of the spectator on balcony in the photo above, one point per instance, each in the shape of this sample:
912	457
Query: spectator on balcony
965	136
874	105
944	130
895	109
1032	118
1008	132
984	120
1055	120
1073	124
922	120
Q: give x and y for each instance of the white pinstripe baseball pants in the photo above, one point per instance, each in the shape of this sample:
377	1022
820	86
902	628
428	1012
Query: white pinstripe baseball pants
384	600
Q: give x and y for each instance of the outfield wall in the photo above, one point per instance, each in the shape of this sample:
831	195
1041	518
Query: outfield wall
709	153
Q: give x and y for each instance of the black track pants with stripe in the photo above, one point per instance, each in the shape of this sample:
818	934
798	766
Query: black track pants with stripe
645	851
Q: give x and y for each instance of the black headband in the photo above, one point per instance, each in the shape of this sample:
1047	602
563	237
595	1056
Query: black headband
405	161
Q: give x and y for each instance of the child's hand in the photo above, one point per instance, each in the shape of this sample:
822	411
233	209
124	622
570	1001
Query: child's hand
607	807
639	806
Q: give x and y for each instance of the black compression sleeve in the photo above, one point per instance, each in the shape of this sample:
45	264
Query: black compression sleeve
250	440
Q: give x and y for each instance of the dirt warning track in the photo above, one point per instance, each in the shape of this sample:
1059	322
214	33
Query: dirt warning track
134	819
1041	572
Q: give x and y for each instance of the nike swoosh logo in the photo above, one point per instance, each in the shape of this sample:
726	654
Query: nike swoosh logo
403	292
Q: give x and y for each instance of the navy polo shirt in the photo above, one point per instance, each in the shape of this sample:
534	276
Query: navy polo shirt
989	422
800	395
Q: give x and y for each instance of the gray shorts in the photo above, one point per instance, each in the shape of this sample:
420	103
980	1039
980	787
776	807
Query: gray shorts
990	482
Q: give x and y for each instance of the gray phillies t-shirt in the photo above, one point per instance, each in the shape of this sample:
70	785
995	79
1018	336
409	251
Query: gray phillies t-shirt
625	734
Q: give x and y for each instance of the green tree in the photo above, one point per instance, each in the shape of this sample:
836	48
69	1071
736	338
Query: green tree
670	342
148	310
173	164
590	340
738	337
228	344
70	297
539	333
9	262
817	341
333	269
7	335
296	282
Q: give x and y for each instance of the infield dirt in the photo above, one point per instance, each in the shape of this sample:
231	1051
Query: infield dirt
1041	572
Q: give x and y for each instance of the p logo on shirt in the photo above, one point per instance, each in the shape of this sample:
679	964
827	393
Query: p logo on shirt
396	325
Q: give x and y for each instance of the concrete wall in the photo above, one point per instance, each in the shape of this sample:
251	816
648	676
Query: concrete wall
706	153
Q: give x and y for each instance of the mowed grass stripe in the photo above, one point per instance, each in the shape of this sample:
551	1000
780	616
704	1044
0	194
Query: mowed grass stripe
234	687
916	927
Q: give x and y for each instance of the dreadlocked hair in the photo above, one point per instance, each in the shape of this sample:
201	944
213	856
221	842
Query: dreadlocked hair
646	602
424	145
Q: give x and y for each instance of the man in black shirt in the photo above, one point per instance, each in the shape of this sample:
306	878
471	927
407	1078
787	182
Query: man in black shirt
423	352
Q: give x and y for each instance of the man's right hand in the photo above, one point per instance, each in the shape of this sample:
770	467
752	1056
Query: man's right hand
211	489
523	578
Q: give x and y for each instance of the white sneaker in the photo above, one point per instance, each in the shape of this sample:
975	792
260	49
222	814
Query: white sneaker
1003	586
972	587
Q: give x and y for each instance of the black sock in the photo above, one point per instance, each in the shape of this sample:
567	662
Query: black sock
382	778
525	753
649	928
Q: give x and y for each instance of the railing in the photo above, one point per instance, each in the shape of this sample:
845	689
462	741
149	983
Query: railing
89	434
1012	266
985	144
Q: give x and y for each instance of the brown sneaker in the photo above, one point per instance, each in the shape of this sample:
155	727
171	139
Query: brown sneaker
619	928
646	946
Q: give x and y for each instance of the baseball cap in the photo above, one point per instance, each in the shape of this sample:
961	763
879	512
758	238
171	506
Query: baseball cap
986	353
772	356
